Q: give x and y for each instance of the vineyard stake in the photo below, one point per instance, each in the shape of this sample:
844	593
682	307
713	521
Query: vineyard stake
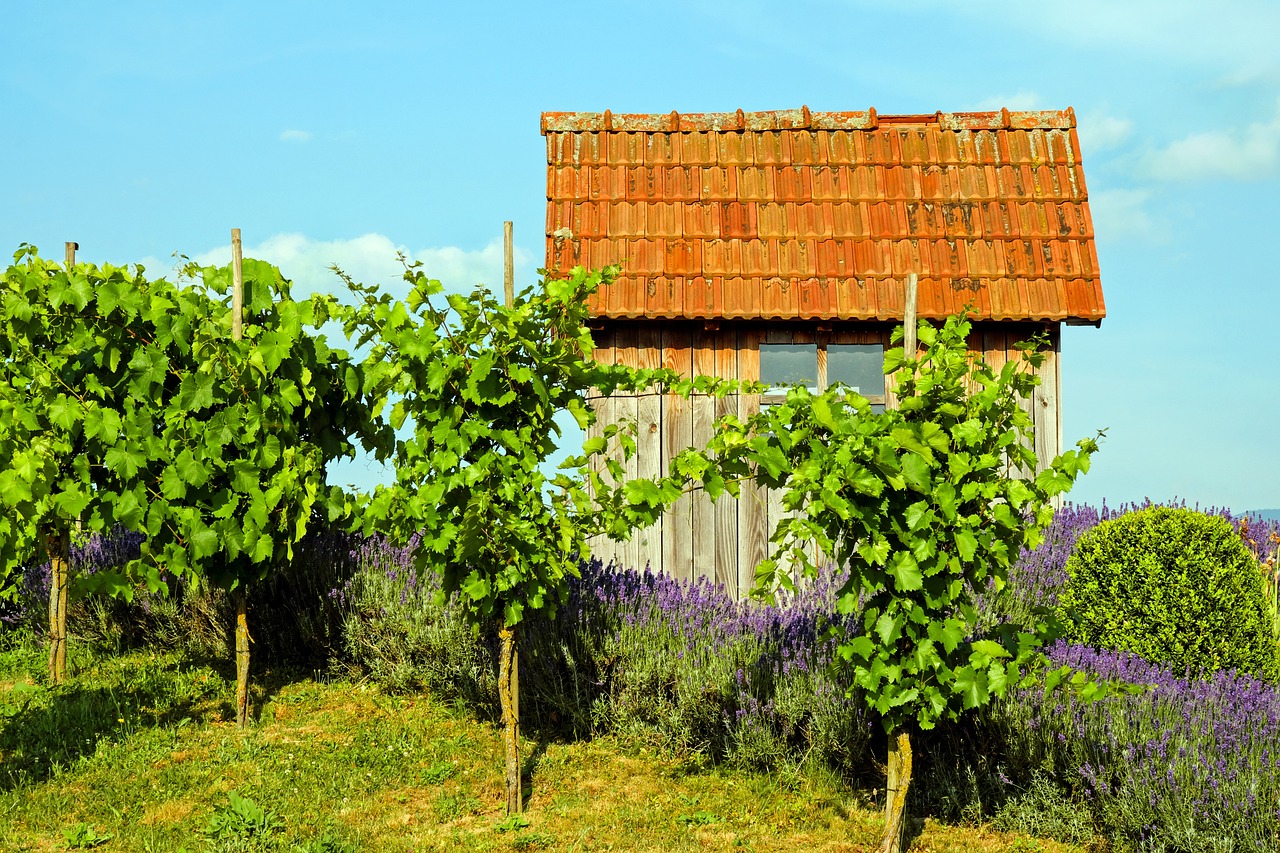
241	595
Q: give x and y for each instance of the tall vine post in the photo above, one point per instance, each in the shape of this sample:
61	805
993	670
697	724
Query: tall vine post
241	596
898	765
509	651
58	547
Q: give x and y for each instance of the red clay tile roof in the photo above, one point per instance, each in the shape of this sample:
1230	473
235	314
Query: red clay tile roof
799	214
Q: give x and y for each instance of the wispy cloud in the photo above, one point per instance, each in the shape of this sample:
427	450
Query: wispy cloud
371	259
1122	214
295	136
1248	153
1102	132
1021	100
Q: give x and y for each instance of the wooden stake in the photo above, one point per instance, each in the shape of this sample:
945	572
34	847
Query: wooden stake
509	263
59	548
509	699
237	286
242	657
910	334
241	595
58	545
896	785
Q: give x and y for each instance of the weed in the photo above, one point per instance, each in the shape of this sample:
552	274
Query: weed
512	822
702	817
327	843
83	836
453	806
532	841
241	820
438	772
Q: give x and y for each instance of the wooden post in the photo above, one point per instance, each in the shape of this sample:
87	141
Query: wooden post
910	336
241	594
509	699
58	545
509	648
896	785
237	286
508	263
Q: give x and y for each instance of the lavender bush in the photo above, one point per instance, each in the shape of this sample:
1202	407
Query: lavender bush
632	653
1184	764
305	625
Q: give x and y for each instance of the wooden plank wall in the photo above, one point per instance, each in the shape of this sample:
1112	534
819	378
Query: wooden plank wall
725	540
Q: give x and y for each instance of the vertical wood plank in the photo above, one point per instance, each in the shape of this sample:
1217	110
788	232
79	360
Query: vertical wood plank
726	508
649	444
627	413
677	429
704	411
1045	406
752	514
602	547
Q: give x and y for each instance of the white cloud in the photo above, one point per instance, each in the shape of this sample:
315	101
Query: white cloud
1022	100
1237	153
1101	132
295	136
371	259
1121	214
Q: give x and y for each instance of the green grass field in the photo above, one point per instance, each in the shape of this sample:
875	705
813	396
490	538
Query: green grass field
135	754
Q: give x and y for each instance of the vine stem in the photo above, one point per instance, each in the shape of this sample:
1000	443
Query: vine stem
896	785
509	698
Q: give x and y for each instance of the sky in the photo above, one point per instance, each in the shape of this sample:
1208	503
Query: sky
331	134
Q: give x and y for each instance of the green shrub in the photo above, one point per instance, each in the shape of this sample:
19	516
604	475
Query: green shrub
1172	585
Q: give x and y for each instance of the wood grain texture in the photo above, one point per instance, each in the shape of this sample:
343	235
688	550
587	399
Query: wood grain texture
627	414
677	434
752	514
704	413
649	442
602	547
726	509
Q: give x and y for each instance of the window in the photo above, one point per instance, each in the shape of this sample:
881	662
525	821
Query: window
860	367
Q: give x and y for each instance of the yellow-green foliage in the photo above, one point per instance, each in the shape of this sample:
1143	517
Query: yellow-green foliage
1175	586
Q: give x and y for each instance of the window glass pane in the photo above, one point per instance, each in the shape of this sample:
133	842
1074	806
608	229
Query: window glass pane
789	364
860	366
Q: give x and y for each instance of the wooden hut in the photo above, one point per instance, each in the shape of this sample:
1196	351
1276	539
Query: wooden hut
775	246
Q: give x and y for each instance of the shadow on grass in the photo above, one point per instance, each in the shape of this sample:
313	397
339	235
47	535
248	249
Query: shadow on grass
43	729
529	767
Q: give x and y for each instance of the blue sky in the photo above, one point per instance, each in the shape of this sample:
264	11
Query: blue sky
334	135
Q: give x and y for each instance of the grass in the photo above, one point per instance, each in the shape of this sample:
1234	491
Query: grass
136	753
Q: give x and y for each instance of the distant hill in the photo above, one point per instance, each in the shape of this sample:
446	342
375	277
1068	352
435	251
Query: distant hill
1268	514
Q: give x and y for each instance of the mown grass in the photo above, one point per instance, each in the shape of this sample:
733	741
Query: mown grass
136	753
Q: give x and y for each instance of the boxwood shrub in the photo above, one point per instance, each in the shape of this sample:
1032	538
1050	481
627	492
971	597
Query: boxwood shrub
1175	586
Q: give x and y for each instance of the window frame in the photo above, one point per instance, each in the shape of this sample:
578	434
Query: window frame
820	340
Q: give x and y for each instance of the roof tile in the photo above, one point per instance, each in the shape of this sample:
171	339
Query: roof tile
701	219
664	219
699	149
800	214
739	219
735	149
808	147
